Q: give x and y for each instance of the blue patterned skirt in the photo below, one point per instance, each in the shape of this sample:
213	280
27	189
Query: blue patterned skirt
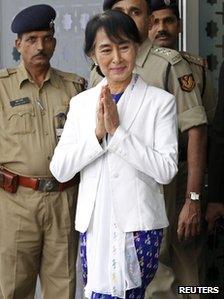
147	244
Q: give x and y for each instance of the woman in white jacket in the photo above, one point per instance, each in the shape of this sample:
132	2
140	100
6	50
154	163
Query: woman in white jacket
122	137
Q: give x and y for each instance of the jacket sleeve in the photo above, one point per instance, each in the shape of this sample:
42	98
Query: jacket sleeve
159	161
74	150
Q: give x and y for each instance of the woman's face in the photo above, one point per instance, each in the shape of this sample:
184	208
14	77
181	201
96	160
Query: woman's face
116	60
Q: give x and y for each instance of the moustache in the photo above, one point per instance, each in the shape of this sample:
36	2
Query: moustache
40	54
162	34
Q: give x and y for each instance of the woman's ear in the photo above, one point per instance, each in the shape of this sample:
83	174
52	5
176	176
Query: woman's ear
93	57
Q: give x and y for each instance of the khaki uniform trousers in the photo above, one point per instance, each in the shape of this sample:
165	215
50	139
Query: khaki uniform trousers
181	263
37	237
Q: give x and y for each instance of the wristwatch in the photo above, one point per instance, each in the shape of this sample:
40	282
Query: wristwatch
194	196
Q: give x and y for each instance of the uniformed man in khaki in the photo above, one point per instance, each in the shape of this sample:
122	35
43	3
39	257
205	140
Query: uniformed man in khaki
36	212
165	68
181	263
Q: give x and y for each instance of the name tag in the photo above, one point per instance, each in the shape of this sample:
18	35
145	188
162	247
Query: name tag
19	102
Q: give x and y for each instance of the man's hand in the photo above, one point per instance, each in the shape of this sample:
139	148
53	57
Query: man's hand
111	117
214	211
189	220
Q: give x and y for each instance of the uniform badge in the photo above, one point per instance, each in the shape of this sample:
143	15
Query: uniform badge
83	82
60	122
187	83
51	24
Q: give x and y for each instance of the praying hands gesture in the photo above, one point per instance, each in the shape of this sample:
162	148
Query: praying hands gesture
107	114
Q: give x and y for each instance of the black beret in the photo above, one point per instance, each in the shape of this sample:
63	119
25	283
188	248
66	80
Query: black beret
34	18
163	4
107	4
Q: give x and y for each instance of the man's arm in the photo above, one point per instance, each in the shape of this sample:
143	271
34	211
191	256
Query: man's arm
192	119
190	216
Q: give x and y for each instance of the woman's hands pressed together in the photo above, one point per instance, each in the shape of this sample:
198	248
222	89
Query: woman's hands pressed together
107	114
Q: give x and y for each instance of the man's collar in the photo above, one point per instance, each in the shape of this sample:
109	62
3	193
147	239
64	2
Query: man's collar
53	77
23	76
143	52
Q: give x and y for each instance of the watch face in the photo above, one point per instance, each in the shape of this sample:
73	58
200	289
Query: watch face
194	196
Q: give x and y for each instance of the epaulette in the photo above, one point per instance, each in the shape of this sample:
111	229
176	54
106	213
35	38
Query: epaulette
71	77
4	73
194	59
170	55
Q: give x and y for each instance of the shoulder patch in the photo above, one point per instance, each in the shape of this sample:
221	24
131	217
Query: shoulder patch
194	59
187	82
172	56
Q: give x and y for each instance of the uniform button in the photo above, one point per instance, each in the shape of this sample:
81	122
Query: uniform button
116	175
46	133
49	158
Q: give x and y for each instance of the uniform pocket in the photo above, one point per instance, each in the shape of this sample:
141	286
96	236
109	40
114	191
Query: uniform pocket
60	116
21	120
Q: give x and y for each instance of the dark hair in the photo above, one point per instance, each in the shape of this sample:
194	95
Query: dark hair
116	24
20	35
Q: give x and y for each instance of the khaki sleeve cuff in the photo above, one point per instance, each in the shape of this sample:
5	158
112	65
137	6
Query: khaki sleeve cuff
192	118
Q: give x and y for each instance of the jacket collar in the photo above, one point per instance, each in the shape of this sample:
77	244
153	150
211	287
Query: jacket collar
132	101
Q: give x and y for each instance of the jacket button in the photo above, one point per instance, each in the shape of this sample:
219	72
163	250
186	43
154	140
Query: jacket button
116	175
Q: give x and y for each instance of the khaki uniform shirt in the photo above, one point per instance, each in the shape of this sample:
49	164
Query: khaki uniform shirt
32	117
203	80
165	68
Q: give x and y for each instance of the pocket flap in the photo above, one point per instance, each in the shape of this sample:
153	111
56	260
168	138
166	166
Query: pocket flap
20	111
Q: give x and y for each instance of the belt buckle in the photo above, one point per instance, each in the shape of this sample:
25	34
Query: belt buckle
48	185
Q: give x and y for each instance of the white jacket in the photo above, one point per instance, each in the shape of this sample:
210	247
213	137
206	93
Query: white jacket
142	155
